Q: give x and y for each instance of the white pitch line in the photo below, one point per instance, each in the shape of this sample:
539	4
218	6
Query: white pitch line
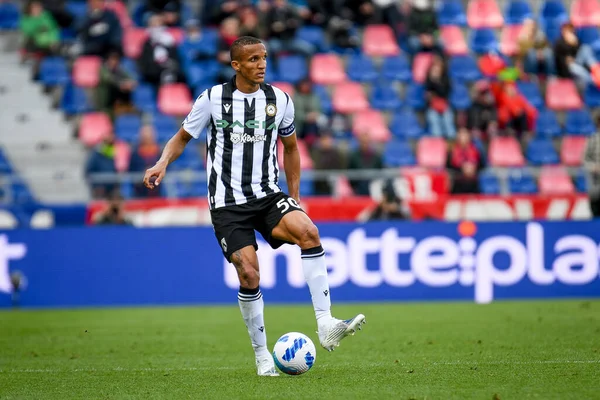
191	369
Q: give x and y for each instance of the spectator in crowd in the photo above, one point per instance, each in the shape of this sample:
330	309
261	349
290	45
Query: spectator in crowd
387	12
423	27
100	33
483	117
217	11
159	62
192	42
114	214
440	117
534	54
515	114
116	84
40	32
307	107
229	31
591	162
465	159
360	12
364	157
59	12
326	156
341	33
145	155
282	23
575	60
170	10
102	161
390	207
250	23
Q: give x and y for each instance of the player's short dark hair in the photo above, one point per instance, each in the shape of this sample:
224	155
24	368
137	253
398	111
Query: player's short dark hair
239	43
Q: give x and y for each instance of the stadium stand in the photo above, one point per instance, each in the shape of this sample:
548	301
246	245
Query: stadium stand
375	86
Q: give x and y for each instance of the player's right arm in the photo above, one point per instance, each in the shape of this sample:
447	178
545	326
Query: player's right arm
191	127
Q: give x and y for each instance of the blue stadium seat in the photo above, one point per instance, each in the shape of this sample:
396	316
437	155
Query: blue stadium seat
315	36
144	98
541	151
452	12
165	127
581	182
191	189
517	11
202	86
396	69
522	181
74	100
589	35
292	68
384	97
460	99
324	98
398	153
360	68
483	41
464	68
78	9
307	186
552	11
579	122
489	182
532	93
9	16
130	66
552	30
406	125
54	71
547	124
415	96
198	72
591	96
190	159
126	190
127	127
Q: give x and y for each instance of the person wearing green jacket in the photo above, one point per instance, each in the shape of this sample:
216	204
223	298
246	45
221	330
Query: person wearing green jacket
40	31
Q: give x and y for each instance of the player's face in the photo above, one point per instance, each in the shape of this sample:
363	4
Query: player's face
253	63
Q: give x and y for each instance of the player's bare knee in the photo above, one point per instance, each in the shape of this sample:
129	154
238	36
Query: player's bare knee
310	237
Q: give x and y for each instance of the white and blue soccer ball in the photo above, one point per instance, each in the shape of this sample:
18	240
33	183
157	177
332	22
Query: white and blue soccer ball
294	353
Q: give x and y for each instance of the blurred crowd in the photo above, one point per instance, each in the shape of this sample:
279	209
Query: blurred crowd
496	107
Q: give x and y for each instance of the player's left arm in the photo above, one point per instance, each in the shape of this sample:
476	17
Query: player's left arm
291	164
291	155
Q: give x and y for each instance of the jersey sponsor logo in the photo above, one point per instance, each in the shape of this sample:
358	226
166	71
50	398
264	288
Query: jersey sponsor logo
250	124
271	109
245	138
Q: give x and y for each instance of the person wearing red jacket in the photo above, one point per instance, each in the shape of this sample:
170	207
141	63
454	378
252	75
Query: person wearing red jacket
515	113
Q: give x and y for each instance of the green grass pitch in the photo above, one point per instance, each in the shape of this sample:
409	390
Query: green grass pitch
504	350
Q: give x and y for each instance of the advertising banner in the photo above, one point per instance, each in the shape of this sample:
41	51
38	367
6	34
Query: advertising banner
481	262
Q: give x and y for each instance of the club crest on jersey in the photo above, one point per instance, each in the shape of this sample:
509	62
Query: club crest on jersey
271	109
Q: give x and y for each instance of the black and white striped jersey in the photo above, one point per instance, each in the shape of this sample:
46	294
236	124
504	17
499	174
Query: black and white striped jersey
241	140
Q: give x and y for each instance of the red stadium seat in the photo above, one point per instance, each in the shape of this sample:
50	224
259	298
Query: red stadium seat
372	122
327	69
484	14
505	152
122	13
562	94
508	40
174	99
379	40
421	65
585	13
453	40
555	180
177	33
349	97
133	42
571	150
306	162
286	87
86	71
93	128
432	152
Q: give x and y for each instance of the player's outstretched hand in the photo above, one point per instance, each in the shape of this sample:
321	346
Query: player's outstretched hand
154	176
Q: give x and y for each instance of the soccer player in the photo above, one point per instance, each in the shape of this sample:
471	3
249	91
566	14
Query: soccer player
245	117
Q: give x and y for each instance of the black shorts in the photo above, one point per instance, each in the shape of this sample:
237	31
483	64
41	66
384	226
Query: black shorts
234	226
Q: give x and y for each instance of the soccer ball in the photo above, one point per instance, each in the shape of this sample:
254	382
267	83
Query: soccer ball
294	353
